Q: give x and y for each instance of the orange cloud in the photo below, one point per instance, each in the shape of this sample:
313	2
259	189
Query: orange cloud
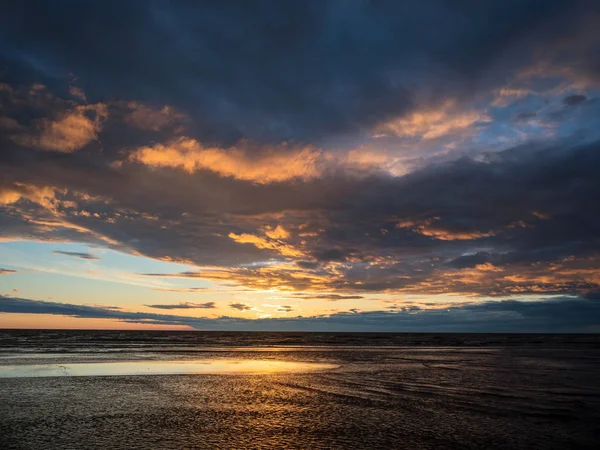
280	277
432	123
268	243
52	218
273	166
445	235
44	195
429	228
476	275
71	131
277	233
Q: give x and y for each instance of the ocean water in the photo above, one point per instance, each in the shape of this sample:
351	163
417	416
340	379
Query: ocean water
210	390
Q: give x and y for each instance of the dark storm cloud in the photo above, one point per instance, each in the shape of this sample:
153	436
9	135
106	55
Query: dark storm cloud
564	314
273	70
76	254
185	305
523	198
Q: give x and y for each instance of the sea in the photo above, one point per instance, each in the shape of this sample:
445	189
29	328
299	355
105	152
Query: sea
251	390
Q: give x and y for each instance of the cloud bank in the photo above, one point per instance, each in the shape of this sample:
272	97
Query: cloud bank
563	314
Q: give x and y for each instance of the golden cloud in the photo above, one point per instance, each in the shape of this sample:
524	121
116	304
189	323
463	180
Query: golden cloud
44	195
433	123
273	166
272	242
277	233
71	131
279	277
429	228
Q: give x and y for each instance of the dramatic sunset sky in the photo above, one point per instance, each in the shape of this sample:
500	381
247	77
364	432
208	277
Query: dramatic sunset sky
300	165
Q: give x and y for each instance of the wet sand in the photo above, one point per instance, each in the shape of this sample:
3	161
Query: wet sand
540	394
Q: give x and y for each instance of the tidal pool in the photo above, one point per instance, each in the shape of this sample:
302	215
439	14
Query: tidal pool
206	366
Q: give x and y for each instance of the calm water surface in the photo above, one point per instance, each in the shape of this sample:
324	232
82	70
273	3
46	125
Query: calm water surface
298	390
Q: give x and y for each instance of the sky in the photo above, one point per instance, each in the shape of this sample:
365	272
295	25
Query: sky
306	166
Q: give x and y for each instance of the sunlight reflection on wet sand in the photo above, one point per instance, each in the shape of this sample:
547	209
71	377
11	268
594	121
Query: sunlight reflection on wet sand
207	366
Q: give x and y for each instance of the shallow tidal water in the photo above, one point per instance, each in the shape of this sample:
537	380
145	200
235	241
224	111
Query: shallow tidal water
298	390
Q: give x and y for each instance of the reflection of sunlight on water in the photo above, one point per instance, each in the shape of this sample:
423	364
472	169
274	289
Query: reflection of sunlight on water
208	366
